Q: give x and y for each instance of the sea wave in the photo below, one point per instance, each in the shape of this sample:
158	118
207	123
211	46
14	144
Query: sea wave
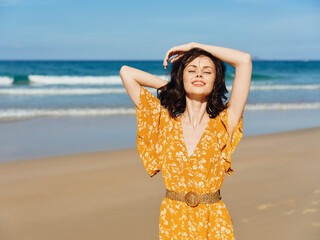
256	77
88	80
5	80
65	80
57	91
285	87
38	79
282	106
90	91
116	80
27	113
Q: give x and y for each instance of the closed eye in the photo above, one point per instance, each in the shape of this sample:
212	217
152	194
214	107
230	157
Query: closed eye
204	72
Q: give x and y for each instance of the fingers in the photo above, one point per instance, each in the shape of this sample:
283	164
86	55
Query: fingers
174	59
165	61
171	61
169	54
177	50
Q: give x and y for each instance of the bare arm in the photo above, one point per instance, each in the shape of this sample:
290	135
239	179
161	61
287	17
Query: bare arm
241	61
133	79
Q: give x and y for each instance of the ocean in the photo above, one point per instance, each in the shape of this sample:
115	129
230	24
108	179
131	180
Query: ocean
51	97
94	88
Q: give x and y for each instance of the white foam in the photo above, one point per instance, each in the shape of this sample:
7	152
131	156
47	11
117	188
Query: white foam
40	79
108	80
282	106
27	113
6	80
285	87
90	91
57	91
23	113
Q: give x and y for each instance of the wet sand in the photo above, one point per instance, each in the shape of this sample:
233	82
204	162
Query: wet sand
274	193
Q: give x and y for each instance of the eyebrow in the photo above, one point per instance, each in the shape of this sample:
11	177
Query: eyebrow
203	67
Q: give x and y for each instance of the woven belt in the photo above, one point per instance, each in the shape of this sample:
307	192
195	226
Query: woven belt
192	198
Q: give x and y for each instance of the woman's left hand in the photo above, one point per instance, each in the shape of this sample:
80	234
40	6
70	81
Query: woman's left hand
180	50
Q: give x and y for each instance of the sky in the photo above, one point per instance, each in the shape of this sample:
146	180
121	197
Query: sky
146	30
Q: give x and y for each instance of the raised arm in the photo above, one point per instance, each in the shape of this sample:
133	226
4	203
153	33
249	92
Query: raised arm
133	79
241	61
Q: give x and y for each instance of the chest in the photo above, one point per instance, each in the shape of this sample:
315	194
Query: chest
191	135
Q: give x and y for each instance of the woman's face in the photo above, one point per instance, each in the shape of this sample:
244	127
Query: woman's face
199	76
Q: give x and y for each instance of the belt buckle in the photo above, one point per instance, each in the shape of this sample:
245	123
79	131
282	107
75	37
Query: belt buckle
189	195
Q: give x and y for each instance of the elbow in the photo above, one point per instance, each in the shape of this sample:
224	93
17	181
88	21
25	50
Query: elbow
247	59
122	70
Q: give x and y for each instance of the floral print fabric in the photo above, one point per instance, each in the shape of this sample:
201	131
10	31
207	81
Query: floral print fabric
161	146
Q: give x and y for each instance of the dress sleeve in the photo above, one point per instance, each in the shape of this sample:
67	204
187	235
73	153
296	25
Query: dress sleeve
229	148
148	131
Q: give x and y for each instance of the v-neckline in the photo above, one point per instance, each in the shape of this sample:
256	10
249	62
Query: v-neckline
184	140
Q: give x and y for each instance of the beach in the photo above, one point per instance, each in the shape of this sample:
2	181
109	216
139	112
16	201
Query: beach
70	169
274	193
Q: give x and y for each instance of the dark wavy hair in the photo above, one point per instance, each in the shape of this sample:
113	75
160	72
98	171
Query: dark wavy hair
173	96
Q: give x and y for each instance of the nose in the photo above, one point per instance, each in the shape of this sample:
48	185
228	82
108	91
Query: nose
199	74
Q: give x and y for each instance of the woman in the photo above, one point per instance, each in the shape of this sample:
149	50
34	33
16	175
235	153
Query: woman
190	134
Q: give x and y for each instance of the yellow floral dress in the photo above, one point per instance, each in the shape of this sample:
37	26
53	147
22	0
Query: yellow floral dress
161	146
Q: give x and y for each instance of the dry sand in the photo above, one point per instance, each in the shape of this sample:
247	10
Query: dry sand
274	193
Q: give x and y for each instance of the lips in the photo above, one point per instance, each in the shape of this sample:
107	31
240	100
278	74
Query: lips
198	82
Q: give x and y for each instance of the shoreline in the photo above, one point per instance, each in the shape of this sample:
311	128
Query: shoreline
275	189
45	136
133	148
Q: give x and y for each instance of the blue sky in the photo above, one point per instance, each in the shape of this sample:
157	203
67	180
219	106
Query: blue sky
56	29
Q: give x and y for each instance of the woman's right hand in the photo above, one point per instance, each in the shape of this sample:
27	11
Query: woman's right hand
180	50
